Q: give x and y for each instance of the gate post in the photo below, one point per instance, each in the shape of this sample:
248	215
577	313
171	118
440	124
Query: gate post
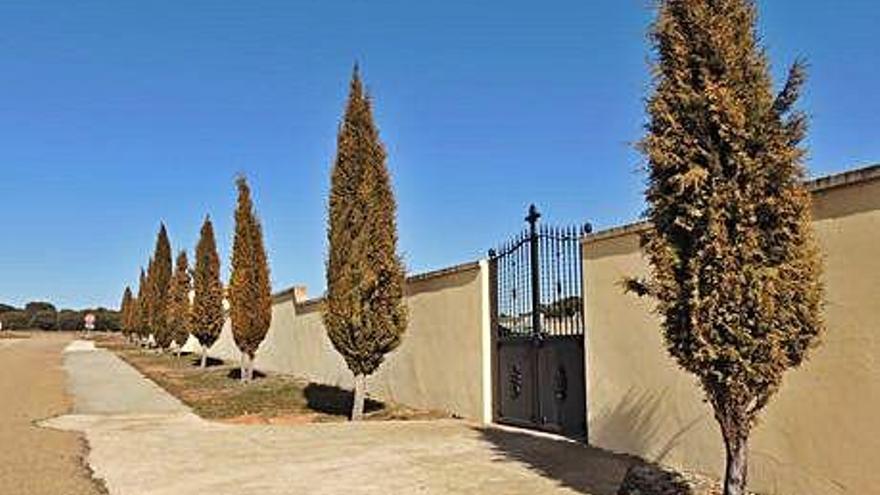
494	377
534	247
532	218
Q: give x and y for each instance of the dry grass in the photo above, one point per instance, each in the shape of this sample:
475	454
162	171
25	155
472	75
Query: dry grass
11	334
217	393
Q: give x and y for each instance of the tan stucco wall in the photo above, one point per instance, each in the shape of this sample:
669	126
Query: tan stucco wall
439	364
820	435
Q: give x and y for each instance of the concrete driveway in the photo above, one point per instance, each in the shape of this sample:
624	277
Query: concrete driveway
145	442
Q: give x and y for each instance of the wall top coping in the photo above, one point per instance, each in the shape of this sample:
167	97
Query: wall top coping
821	184
847	178
288	294
283	295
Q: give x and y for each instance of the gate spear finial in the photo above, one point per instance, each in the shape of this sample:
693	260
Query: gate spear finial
534	215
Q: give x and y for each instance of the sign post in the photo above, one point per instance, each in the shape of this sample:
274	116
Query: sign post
89	320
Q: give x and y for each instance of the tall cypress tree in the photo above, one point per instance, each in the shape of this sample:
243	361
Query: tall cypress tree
179	308
142	319
735	269
250	294
133	318
159	282
125	308
207	304
365	313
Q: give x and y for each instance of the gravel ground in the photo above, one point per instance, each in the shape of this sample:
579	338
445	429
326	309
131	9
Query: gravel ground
35	460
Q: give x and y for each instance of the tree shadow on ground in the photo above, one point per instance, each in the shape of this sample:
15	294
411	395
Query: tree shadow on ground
633	424
575	465
328	399
208	363
235	374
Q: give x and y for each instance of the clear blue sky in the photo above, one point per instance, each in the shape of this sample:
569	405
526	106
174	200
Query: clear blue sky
117	114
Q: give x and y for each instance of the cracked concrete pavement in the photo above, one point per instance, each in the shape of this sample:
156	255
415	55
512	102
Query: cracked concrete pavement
144	441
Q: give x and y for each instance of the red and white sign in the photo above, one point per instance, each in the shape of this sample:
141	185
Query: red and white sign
90	321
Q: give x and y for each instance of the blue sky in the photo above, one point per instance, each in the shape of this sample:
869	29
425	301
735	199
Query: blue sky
117	114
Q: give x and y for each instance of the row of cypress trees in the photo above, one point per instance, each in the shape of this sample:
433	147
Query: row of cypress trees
173	303
364	311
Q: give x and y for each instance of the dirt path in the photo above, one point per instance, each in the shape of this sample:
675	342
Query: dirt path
35	460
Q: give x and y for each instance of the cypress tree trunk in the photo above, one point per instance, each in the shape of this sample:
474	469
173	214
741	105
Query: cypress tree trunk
360	392
735	476
204	362
243	373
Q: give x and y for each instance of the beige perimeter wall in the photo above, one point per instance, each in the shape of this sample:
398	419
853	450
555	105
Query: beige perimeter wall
440	365
820	434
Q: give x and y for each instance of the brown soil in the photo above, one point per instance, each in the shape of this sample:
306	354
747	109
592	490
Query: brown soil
6	334
35	460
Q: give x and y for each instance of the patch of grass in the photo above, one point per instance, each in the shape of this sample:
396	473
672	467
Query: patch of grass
216	392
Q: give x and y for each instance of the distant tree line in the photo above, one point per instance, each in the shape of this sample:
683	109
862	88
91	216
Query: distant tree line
40	315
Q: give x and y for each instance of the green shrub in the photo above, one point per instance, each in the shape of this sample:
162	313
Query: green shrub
15	320
69	320
5	308
33	307
44	319
106	320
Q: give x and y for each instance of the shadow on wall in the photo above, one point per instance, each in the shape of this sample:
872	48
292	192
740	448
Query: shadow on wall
634	425
336	401
582	468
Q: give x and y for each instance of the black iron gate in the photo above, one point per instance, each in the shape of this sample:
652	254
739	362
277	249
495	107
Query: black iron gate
538	321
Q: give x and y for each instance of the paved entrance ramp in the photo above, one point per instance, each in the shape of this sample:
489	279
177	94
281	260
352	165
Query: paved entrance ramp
101	383
145	442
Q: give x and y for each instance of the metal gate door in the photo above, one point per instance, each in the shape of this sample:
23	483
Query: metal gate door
539	329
